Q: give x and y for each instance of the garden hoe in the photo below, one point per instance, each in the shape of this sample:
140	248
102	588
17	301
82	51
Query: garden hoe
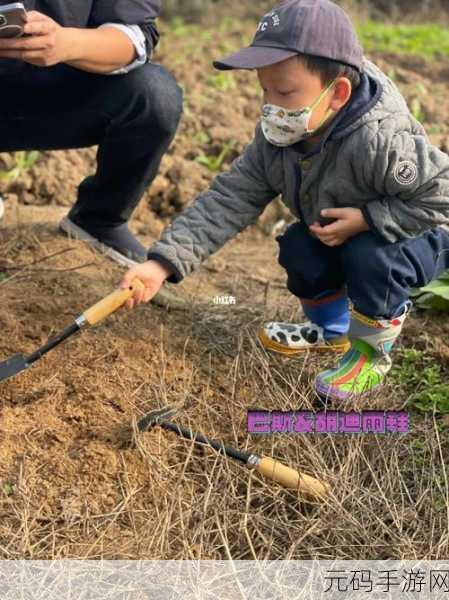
91	316
270	468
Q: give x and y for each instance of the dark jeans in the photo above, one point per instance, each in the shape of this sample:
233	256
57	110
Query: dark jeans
378	274
132	117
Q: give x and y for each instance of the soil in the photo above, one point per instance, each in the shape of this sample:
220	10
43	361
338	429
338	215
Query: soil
77	480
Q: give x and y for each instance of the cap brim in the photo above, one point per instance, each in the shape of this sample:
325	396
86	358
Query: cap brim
253	57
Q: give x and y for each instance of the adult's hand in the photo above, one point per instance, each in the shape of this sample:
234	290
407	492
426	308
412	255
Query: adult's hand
48	44
97	50
152	274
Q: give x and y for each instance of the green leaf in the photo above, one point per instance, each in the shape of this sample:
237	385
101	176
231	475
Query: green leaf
438	288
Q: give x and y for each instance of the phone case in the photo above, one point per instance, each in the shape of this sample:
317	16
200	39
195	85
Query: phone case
11	22
323	221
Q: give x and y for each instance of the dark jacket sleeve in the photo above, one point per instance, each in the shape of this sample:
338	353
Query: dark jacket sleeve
129	12
234	201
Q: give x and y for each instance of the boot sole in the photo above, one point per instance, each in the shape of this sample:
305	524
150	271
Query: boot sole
323	391
74	231
270	344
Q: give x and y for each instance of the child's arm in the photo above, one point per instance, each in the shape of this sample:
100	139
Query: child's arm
412	177
234	200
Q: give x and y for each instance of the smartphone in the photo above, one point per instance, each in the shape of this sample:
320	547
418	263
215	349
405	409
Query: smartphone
12	20
323	221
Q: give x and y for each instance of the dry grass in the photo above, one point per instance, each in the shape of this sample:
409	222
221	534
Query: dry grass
78	481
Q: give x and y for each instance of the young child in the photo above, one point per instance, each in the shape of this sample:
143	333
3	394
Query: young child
370	193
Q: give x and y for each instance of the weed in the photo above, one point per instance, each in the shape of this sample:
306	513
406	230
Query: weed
418	375
214	163
416	110
427	40
23	160
434	295
221	81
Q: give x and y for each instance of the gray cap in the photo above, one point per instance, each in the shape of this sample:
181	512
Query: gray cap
315	27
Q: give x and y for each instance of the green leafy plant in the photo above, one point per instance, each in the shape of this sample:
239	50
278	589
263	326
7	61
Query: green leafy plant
427	40
435	295
418	374
222	82
435	128
416	110
214	163
180	28
202	138
8	489
23	160
391	73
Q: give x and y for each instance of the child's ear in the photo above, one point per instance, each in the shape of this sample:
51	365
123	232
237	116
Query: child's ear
342	93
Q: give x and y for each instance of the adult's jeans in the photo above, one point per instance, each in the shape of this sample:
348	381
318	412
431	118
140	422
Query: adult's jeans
132	117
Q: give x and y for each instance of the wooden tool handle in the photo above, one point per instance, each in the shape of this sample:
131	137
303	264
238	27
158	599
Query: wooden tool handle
111	303
291	479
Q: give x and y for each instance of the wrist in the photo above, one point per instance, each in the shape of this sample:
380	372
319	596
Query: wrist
363	225
73	46
164	270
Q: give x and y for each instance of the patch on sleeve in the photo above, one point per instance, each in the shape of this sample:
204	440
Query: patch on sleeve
405	172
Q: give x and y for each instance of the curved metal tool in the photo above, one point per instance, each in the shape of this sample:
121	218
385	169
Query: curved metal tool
266	466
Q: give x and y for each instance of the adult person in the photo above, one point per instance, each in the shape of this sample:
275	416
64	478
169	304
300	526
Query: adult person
81	76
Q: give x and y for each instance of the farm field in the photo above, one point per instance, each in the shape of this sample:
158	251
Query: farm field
76	478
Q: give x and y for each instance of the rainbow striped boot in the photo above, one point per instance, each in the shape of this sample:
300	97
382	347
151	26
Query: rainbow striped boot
363	368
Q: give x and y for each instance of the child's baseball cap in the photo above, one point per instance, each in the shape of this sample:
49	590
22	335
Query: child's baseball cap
316	27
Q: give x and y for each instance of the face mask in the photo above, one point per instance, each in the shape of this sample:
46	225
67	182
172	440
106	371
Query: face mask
283	127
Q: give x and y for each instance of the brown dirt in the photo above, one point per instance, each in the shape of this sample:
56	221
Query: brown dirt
75	478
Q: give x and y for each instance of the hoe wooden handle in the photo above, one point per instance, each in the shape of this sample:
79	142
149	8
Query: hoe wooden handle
111	303
292	479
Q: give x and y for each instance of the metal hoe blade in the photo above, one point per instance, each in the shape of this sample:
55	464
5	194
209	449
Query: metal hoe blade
154	416
12	366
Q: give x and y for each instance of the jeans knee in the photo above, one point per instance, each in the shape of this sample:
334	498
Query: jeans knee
293	246
310	265
158	97
166	98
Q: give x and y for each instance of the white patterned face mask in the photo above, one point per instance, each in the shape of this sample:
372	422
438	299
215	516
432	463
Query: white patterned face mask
283	127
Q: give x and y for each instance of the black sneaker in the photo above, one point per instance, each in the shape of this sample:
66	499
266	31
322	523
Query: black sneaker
118	243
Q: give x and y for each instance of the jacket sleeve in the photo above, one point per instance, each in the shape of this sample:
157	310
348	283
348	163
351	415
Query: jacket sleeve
234	200
411	177
129	12
138	40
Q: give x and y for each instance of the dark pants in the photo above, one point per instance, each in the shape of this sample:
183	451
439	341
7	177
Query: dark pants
132	117
378	274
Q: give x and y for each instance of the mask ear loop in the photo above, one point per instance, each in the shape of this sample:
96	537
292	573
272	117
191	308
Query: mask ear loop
317	101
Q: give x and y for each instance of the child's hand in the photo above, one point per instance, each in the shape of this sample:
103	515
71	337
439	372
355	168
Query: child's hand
350	222
152	274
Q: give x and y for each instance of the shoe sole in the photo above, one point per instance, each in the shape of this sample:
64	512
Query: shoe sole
77	233
270	344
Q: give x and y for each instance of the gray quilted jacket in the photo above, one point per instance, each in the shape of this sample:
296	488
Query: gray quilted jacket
375	156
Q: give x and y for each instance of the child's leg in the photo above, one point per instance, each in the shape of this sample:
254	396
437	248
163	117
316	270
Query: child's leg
314	277
379	277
